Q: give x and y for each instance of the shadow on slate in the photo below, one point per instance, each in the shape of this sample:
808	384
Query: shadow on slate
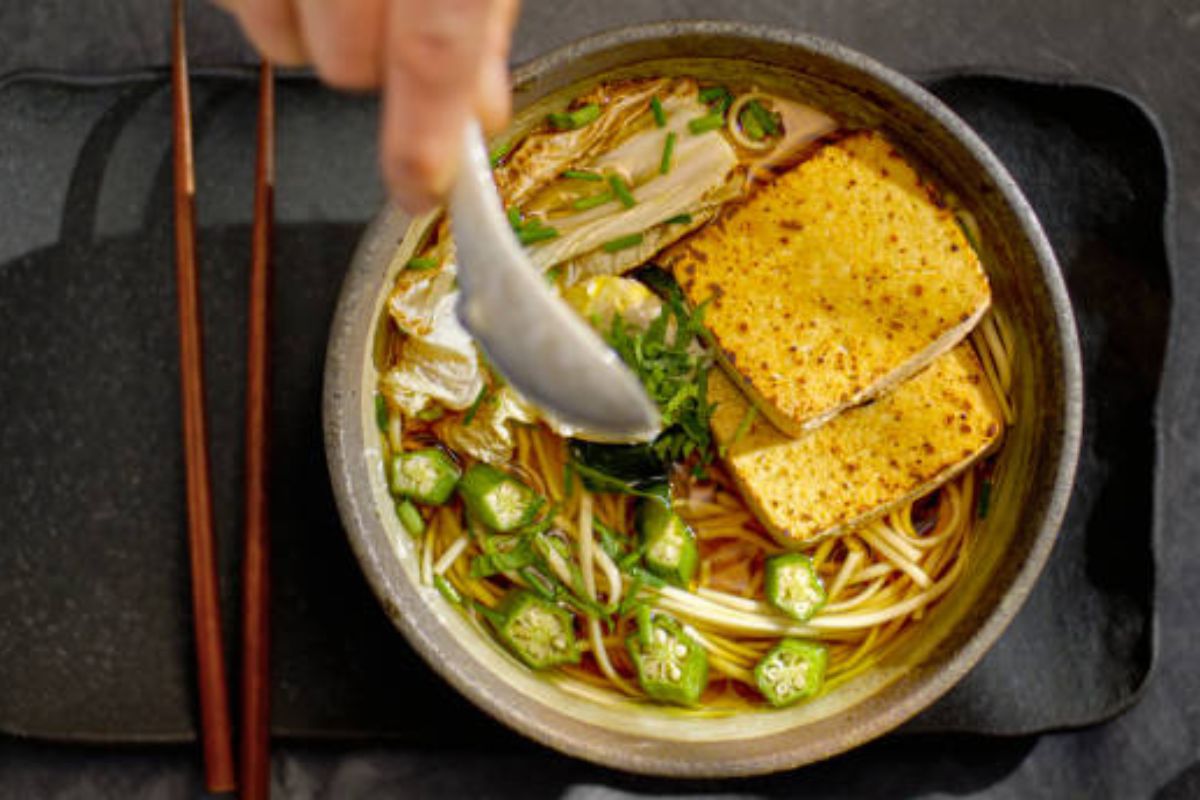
94	634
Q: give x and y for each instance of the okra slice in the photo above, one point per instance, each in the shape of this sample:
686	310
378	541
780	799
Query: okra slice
497	499
793	586
669	544
671	666
536	631
793	670
427	476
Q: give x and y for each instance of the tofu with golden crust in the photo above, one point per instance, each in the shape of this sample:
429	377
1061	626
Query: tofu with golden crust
865	461
834	283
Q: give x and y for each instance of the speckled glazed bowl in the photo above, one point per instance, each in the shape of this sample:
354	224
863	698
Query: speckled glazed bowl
1037	462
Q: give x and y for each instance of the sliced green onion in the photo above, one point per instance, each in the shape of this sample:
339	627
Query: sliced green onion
410	518
499	152
583	175
751	125
668	150
533	235
573	120
552	275
621	190
381	412
766	119
623	242
475	404
431	414
447	590
584	203
712	94
679	219
709	122
985	497
421	263
660	116
514	217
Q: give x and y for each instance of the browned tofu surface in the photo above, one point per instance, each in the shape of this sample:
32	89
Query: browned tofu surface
865	461
837	281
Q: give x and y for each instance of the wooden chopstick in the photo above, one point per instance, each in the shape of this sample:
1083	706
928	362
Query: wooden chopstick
256	573
215	729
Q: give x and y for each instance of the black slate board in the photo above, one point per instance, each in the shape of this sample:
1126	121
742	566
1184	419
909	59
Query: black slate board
94	637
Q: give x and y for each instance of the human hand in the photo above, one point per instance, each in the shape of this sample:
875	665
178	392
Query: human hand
437	62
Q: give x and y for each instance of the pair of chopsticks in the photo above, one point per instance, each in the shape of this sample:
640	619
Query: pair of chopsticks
215	725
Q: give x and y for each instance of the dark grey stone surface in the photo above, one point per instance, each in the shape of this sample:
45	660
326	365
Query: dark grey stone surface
1151	50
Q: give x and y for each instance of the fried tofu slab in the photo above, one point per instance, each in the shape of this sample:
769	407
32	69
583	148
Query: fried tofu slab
834	283
867	460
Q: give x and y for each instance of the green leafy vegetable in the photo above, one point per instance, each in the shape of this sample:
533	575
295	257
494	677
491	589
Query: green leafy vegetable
674	373
637	465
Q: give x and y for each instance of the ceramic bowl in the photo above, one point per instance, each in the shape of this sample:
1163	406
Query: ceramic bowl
1037	461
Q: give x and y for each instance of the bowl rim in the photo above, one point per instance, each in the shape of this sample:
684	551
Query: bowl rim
409	612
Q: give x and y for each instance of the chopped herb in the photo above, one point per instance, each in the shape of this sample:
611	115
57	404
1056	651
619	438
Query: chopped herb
767	120
421	263
599	481
475	404
499	152
623	242
635	464
431	414
514	217
660	116
744	426
679	219
985	497
410	518
709	122
668	149
573	120
583	175
568	480
750	125
552	275
621	190
712	94
591	201
381	412
532	234
675	376
447	590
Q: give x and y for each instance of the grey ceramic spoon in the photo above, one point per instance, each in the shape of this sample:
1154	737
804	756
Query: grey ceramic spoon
541	346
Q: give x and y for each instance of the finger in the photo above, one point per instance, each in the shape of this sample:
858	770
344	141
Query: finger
272	27
431	67
343	39
493	93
